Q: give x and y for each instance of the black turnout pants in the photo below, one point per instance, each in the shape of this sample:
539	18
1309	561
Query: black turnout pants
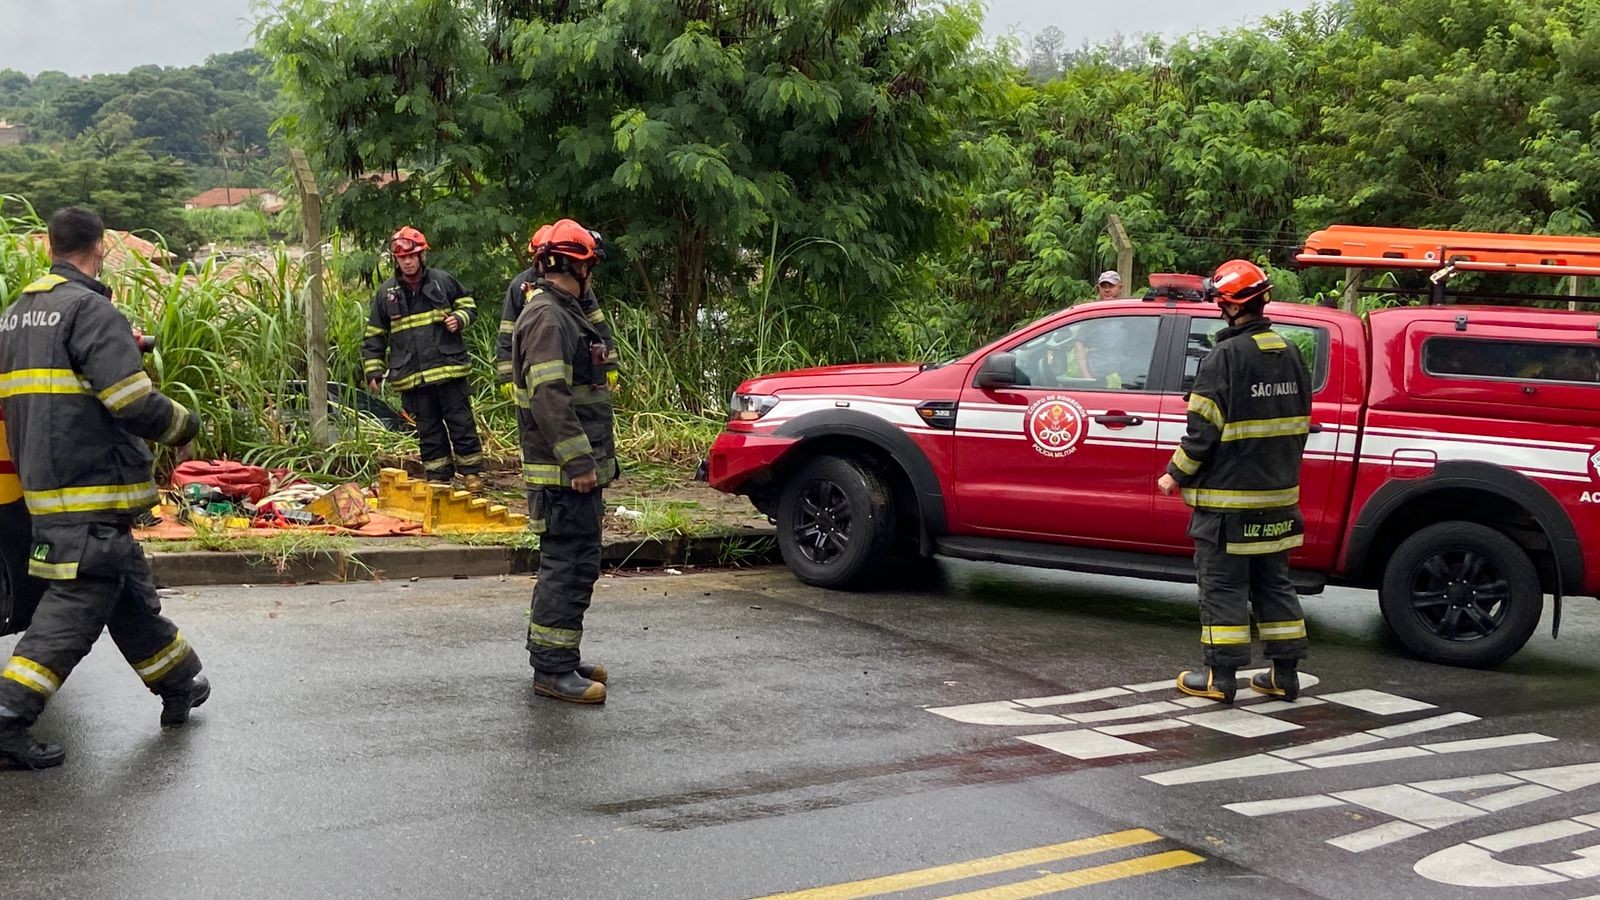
1230	586
112	589
446	433
569	565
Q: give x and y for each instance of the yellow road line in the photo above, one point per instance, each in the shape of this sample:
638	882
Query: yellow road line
988	865
1077	878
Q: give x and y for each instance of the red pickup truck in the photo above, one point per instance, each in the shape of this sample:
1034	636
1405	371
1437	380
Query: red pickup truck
1453	465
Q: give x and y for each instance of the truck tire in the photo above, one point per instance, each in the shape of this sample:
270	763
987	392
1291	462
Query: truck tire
835	523
1461	594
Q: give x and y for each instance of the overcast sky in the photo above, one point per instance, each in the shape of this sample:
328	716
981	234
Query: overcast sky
86	36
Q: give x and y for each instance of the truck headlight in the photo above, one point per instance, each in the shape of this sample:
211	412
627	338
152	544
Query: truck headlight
750	407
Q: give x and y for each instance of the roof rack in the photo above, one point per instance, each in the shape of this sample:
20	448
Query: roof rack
1359	246
1177	288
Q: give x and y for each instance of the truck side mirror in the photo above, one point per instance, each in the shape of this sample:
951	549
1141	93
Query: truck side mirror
998	370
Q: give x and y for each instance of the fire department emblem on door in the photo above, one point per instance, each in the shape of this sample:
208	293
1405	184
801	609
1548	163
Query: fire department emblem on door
1056	425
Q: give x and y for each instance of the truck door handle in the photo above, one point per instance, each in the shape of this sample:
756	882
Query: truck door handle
1119	420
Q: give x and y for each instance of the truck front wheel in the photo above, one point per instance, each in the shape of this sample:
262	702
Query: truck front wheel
835	522
1461	594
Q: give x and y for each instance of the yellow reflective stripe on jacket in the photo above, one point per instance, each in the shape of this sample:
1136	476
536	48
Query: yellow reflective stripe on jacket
129	390
520	396
1282	631
1219	635
504	367
540	475
546	475
554	638
1262	548
20	382
93	498
508	327
164	661
596	316
1185	463
1210	498
573	447
1269	340
419	320
1207	409
546	372
31	675
375	330
372	366
1290	426
180	421
430	376
44	283
53	571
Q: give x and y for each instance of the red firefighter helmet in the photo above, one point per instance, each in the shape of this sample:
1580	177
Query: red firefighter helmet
407	242
569	239
538	240
1239	281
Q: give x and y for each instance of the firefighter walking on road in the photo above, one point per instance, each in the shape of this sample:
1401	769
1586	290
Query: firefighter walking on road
1239	469
79	408
417	321
568	455
522	288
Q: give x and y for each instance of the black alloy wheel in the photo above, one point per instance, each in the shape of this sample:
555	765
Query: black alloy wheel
822	521
1461	593
836	522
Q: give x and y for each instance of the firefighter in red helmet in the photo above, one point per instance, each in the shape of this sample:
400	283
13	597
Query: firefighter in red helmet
1238	467
560	371
517	294
415	333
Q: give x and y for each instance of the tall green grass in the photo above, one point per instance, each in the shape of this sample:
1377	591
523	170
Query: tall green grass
231	345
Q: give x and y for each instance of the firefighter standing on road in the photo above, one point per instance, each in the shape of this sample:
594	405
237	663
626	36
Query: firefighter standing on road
568	455
1239	468
417	319
79	408
517	294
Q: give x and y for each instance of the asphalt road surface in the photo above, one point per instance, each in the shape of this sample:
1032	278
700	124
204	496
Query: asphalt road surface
991	733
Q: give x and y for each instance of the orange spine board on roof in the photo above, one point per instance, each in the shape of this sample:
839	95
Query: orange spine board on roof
1359	246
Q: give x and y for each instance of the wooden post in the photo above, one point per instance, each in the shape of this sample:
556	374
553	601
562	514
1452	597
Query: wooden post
1352	290
1574	290
1119	240
316	315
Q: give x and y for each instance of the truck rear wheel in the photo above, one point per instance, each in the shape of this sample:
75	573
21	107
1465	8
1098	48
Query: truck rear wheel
1462	594
835	523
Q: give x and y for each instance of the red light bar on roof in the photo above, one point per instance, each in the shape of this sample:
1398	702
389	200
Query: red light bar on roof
1177	286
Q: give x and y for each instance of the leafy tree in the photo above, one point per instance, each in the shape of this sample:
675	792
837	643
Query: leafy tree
699	136
130	189
174	121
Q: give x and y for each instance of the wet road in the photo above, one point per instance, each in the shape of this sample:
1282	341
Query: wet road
994	733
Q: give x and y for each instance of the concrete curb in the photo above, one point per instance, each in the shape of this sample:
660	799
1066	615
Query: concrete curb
198	568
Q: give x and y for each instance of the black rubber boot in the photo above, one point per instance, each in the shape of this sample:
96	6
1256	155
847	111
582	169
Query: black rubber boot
1282	680
18	746
569	686
594	672
1212	682
176	703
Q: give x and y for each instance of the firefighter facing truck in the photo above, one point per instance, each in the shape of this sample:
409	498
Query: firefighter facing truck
1238	467
79	408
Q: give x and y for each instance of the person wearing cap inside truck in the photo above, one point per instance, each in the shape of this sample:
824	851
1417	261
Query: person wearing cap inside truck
79	408
1238	466
1109	285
